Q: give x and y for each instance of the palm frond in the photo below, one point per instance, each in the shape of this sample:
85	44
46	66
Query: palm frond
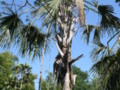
109	22
99	51
87	32
91	29
47	11
97	34
108	70
32	41
117	1
9	27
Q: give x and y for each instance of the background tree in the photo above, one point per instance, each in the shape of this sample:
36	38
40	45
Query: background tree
14	77
82	82
20	78
106	70
47	84
7	60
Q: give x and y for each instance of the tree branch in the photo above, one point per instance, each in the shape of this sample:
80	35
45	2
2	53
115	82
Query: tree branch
91	9
71	36
58	37
26	2
29	4
88	2
73	60
23	5
60	51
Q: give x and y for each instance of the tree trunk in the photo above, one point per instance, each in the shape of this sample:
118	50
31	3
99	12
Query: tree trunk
62	70
63	40
42	59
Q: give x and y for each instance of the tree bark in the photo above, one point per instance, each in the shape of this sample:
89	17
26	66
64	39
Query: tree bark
63	39
62	67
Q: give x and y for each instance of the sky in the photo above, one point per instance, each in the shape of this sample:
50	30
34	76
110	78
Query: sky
78	47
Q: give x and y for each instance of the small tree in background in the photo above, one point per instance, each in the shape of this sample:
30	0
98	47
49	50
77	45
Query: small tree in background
21	78
14	77
7	61
82	82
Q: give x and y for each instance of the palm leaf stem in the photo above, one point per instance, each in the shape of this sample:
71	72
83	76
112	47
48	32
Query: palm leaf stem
89	3
91	9
25	11
110	40
114	44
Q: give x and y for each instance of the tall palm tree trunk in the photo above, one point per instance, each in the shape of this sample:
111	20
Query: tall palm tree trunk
62	68
44	47
63	40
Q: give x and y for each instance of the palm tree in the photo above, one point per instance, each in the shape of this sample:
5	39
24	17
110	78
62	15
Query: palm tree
106	66
27	77
106	57
7	61
107	70
60	16
11	83
21	78
61	12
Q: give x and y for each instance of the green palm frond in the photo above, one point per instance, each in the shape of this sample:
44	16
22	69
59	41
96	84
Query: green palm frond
32	41
109	24
108	21
97	34
108	70
9	27
99	51
47	11
89	30
117	1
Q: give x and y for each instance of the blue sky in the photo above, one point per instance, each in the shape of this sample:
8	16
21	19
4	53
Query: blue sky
78	47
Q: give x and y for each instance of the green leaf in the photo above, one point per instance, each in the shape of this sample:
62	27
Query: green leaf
109	22
32	41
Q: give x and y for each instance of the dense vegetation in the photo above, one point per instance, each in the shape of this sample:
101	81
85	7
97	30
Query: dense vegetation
15	76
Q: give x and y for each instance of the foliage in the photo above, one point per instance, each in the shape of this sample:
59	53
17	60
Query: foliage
49	12
29	38
14	76
7	60
107	69
107	65
96	83
109	24
21	78
32	41
47	84
82	82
